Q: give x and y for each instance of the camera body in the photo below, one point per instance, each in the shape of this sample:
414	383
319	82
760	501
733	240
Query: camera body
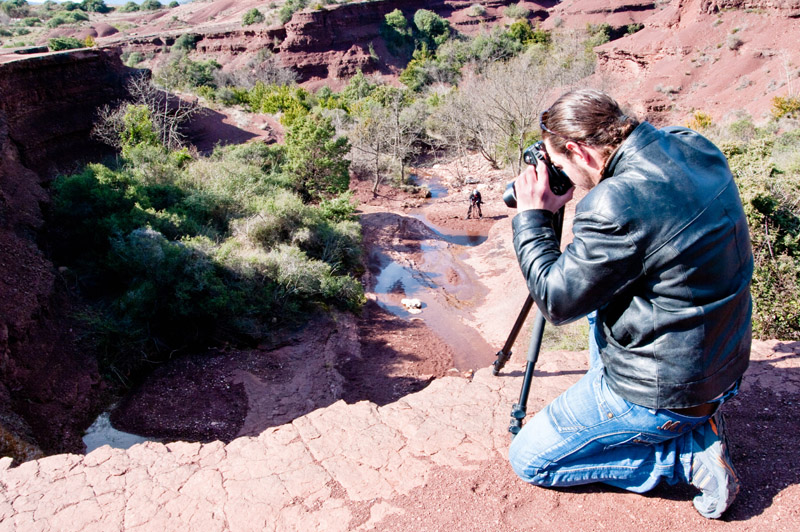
559	182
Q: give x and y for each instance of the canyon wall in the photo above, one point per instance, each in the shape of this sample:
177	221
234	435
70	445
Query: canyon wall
48	384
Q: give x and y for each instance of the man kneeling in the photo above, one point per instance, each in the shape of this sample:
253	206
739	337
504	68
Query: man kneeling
661	264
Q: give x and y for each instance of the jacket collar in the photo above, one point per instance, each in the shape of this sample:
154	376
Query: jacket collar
640	137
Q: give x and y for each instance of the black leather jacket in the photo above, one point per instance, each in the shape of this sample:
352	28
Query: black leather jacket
661	250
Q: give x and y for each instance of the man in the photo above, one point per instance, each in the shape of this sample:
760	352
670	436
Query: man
661	264
475	203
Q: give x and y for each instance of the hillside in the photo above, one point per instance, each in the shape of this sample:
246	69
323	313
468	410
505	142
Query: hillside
668	59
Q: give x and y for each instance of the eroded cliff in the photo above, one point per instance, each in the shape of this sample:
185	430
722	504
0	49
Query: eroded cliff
48	383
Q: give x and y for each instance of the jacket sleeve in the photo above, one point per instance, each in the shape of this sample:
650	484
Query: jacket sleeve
600	262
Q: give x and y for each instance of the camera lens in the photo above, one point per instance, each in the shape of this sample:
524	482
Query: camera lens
510	195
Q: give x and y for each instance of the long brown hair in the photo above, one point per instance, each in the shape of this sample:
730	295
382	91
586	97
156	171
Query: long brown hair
587	116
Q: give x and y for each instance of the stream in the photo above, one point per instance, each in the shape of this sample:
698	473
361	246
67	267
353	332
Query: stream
445	285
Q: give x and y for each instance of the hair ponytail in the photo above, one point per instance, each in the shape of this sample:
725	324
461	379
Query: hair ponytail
587	116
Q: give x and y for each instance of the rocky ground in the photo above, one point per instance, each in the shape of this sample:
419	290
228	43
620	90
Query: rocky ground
432	460
362	422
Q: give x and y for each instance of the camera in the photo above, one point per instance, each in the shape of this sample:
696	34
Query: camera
559	182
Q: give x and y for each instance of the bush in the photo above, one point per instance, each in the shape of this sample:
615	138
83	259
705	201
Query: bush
73	17
767	170
516	11
316	158
253	16
173	4
64	43
476	10
292	101
433	30
785	106
151	5
215	249
396	33
15	8
129	7
700	121
133	59
181	72
187	41
97	6
288	9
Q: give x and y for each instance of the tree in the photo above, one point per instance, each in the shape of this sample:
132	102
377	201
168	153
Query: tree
167	113
387	127
432	28
316	157
15	8
371	139
496	112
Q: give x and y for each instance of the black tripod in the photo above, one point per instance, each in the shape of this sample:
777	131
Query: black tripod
518	411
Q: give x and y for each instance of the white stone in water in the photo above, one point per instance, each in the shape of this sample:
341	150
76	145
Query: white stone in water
414	306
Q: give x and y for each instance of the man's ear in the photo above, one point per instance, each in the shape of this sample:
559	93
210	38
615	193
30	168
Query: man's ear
576	150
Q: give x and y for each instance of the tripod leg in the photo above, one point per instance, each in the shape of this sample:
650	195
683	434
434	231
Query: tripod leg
519	410
505	353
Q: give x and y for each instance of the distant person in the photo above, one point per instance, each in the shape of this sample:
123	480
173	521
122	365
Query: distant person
475	204
661	264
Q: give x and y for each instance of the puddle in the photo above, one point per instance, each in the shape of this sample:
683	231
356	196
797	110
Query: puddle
446	287
446	290
460	238
434	184
102	433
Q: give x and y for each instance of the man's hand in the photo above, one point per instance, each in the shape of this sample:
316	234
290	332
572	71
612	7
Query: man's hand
533	190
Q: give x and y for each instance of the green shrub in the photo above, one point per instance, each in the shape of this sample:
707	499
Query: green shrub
73	17
288	9
32	21
15	8
254	16
173	252
64	43
133	59
397	33
476	10
187	41
767	170
598	34
292	101
316	158
129	7
633	28
433	30
181	72
151	5
97	6
173	4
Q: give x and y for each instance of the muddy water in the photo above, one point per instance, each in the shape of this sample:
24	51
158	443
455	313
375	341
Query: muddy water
447	288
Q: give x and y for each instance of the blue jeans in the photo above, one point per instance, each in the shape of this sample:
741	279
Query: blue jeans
591	434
